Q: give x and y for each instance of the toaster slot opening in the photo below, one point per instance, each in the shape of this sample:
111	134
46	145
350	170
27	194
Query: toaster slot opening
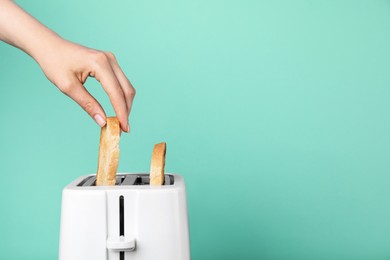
127	179
143	179
91	181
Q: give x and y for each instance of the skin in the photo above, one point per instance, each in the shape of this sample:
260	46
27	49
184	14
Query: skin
68	65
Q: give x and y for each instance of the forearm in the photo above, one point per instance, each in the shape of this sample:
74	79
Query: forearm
23	31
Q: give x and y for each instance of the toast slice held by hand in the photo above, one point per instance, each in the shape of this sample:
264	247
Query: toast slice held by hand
108	153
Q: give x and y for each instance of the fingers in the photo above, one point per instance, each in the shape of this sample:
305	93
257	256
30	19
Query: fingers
127	87
81	96
106	76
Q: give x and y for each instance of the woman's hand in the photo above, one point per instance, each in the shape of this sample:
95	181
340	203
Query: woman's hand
68	65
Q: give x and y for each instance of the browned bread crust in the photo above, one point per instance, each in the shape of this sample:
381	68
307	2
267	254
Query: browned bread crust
157	165
108	153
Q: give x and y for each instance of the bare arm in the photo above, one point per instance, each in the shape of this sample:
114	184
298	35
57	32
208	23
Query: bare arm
67	64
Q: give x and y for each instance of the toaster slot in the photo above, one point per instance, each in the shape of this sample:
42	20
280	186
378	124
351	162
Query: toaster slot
127	180
91	181
88	181
130	179
120	179
143	179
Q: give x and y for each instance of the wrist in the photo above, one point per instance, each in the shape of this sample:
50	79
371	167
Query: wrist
44	46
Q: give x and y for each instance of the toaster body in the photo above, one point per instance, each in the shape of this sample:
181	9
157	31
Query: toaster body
129	221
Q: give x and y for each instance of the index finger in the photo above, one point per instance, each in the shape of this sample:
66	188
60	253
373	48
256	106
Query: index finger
126	85
106	76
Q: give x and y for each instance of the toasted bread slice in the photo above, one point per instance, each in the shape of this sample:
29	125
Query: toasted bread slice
108	153
157	165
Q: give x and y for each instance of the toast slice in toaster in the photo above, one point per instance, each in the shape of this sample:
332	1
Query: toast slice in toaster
157	165
108	153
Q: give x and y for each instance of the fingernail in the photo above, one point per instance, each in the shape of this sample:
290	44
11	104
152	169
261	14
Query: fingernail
128	128
100	120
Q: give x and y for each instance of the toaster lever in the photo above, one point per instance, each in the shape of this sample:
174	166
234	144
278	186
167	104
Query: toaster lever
120	244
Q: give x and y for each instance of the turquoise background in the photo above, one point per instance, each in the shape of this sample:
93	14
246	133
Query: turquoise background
275	112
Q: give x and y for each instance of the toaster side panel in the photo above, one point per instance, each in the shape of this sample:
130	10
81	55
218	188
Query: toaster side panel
83	225
162	225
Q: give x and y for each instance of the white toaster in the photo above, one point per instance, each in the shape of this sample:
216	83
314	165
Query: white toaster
129	221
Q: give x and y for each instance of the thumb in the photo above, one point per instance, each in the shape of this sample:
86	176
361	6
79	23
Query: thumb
82	97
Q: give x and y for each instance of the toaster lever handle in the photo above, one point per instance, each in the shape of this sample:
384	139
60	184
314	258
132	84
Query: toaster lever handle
120	244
